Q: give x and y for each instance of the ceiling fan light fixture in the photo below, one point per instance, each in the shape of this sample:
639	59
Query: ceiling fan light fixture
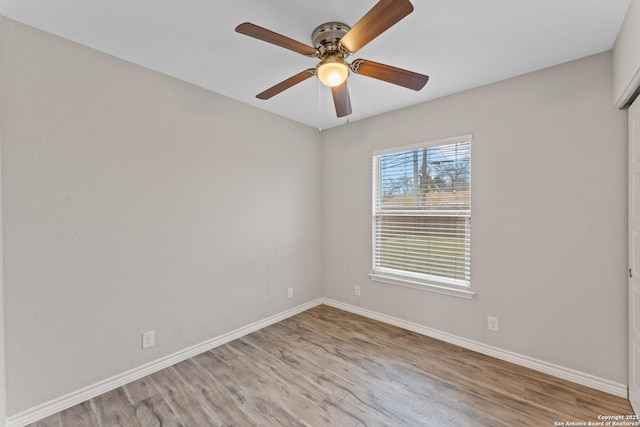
332	71
332	42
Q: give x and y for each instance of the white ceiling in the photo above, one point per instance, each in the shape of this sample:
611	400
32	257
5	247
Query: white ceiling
460	44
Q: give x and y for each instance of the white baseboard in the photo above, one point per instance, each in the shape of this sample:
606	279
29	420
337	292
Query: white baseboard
528	362
54	406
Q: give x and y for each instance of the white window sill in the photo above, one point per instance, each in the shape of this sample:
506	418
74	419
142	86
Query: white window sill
454	291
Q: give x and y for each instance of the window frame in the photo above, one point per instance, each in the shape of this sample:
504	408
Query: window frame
438	284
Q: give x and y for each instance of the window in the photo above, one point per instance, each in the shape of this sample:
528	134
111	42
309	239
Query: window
422	216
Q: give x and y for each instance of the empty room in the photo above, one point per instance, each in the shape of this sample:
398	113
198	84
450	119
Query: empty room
386	212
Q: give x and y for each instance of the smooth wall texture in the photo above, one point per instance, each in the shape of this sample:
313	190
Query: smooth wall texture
135	202
548	216
3	392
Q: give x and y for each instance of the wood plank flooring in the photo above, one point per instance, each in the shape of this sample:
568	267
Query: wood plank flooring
326	367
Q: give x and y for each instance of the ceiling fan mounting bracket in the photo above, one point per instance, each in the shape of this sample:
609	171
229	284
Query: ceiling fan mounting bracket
326	38
355	65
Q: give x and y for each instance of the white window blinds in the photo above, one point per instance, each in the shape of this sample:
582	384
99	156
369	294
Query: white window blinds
422	213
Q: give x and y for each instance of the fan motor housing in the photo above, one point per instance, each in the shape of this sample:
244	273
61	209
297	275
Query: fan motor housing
326	37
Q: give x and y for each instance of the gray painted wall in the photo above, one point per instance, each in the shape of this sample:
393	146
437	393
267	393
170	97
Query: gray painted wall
548	216
133	201
3	391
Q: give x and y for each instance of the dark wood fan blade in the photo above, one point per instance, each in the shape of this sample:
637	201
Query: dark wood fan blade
286	84
269	36
341	99
389	74
375	22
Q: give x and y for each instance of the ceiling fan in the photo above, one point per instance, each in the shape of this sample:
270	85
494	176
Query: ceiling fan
333	42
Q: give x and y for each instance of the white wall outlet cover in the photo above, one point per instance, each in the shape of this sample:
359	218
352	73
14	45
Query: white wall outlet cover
492	323
148	339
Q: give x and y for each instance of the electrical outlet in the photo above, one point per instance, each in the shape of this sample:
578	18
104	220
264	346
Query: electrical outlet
357	290
148	339
492	323
290	293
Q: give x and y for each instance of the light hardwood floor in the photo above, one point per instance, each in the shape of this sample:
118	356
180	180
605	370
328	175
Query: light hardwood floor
328	367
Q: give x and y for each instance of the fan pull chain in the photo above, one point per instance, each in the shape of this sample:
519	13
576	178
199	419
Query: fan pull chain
319	107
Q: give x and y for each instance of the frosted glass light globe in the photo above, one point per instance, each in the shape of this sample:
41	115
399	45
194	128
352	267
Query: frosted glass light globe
332	71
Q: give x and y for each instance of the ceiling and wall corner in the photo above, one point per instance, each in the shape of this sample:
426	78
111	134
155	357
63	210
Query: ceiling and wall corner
626	58
460	44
